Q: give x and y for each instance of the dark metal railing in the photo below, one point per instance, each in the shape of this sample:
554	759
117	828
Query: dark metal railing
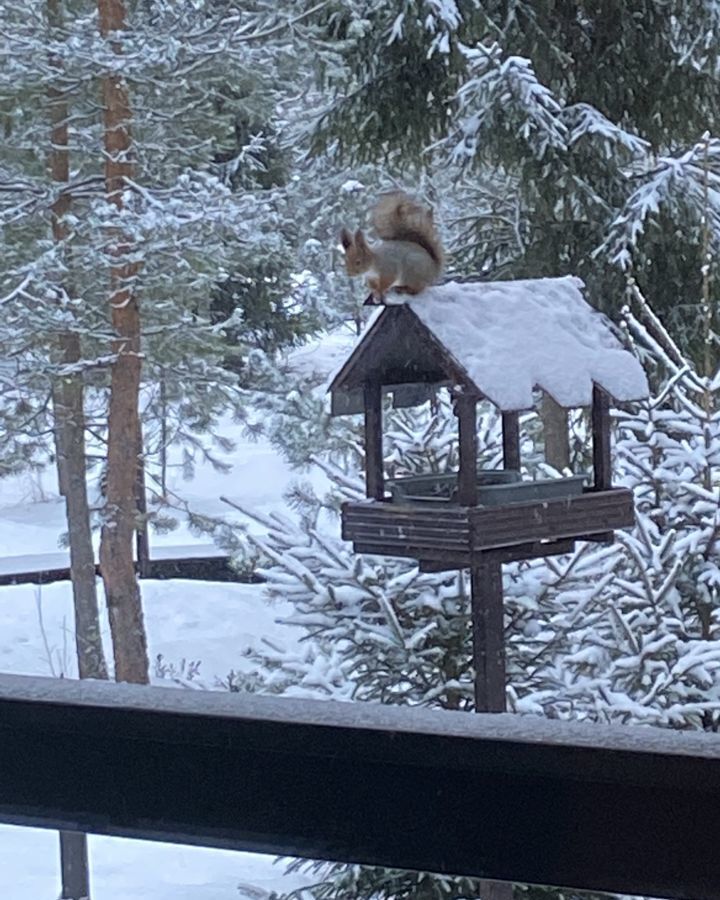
633	810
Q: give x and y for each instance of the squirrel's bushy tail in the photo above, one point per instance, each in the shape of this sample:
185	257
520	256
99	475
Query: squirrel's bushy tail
397	217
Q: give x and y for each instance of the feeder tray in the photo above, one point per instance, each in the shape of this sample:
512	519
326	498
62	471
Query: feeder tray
442	488
496	487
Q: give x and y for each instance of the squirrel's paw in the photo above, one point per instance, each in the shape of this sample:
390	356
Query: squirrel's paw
374	300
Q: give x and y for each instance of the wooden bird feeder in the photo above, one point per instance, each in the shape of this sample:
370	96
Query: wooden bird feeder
495	341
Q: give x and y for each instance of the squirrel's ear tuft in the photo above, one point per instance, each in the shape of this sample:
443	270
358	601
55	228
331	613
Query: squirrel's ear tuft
360	239
346	239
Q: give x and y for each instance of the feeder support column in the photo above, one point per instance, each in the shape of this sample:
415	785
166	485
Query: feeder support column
374	479
602	465
466	411
511	440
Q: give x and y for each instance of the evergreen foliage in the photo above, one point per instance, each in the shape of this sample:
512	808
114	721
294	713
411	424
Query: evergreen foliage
573	120
626	633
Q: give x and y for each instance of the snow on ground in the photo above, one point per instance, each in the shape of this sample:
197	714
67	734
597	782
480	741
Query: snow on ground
32	514
122	869
187	621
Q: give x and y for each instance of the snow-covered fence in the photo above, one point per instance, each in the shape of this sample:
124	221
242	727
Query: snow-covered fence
626	809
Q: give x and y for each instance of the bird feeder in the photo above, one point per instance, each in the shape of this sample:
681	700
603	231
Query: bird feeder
500	342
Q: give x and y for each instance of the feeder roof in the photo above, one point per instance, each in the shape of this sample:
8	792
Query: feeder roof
502	338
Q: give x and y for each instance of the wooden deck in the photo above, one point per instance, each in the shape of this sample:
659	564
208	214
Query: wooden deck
464	536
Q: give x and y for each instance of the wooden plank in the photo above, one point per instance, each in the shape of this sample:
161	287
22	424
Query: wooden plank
389	508
535	550
379	520
602	461
580	517
520	552
400	528
374	480
392	512
451	564
628	810
520	523
466	411
511	440
413	551
418	541
203	568
460	544
488	628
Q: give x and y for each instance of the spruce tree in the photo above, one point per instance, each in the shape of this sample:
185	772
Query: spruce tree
626	633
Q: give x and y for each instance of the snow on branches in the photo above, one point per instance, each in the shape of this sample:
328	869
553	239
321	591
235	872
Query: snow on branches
627	633
688	182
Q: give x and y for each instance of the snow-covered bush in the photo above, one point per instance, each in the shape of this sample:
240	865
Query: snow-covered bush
624	633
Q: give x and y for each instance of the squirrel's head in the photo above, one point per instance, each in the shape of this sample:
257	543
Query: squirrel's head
358	257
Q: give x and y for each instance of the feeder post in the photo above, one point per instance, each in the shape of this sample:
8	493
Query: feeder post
511	440
488	633
466	411
488	630
602	463
374	479
486	587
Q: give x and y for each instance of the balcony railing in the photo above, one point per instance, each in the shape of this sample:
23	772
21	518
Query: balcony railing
625	809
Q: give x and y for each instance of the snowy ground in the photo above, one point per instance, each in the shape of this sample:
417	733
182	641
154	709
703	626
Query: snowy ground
186	621
197	621
136	870
32	515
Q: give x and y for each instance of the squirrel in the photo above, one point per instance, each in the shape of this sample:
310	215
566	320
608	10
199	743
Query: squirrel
409	255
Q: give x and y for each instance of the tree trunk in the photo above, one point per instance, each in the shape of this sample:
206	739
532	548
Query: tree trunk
163	436
556	433
142	543
122	590
69	429
68	405
69	426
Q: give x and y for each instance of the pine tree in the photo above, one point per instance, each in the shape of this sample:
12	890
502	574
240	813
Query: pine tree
567	116
561	110
624	633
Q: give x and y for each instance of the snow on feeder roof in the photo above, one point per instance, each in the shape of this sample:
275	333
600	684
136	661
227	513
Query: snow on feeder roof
502	338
